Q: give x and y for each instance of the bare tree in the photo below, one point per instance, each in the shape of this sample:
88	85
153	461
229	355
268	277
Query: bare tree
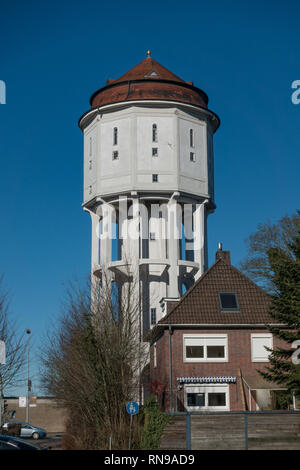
12	372
94	360
256	264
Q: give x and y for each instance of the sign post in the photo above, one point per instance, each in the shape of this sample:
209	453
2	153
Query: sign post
132	408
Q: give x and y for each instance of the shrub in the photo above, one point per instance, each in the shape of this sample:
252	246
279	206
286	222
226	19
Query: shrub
154	424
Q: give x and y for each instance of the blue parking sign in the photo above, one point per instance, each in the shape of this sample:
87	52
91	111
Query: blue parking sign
132	407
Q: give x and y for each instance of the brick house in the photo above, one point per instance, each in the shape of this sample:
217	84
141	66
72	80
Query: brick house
206	351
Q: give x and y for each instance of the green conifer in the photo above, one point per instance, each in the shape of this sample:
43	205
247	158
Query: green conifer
284	365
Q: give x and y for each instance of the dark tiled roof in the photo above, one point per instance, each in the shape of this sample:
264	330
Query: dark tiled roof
201	304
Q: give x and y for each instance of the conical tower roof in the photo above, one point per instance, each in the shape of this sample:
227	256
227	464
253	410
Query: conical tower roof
149	69
149	80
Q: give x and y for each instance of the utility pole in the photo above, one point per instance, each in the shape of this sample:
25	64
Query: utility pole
28	382
2	361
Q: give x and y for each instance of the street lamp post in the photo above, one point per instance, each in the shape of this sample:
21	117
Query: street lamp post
28	386
2	361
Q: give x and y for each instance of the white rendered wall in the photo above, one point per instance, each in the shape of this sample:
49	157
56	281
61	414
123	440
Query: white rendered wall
135	165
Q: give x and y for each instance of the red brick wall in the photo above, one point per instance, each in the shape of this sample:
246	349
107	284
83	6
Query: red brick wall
239	357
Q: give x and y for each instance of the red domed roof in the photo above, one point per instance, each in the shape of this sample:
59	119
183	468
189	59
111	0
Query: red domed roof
149	81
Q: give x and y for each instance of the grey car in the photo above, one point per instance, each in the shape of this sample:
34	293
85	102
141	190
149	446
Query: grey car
28	430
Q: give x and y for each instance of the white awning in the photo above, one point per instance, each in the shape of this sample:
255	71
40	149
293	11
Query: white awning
206	380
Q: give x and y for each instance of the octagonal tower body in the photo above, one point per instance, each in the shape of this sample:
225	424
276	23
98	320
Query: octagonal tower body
149	181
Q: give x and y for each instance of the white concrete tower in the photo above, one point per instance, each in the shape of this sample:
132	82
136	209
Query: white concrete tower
149	180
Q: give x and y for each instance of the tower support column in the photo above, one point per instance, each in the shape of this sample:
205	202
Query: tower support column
174	234
199	238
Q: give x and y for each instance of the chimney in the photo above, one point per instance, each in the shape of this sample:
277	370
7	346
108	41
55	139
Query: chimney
224	255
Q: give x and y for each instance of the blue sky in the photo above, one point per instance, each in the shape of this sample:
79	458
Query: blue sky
54	55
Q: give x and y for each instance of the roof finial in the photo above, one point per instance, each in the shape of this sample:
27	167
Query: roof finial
149	53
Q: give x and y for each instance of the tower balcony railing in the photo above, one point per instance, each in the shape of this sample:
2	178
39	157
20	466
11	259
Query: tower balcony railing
157	265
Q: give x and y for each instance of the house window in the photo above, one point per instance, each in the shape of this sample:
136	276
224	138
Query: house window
154	132
115	155
115	136
192	157
196	399
212	397
153	316
152	235
155	178
258	343
216	399
228	301
154	152
205	348
194	352
191	138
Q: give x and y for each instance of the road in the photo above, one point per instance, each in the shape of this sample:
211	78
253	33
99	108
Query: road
52	440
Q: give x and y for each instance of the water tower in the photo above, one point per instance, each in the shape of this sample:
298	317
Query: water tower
149	182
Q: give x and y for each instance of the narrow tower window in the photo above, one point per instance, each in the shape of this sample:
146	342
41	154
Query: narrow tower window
91	147
153	316
154	178
115	155
115	136
192	157
154	132
191	138
154	152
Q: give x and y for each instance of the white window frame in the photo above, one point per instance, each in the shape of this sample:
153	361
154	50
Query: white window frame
206	389
154	355
205	340
254	356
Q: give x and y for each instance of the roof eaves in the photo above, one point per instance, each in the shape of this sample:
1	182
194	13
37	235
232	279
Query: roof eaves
225	325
